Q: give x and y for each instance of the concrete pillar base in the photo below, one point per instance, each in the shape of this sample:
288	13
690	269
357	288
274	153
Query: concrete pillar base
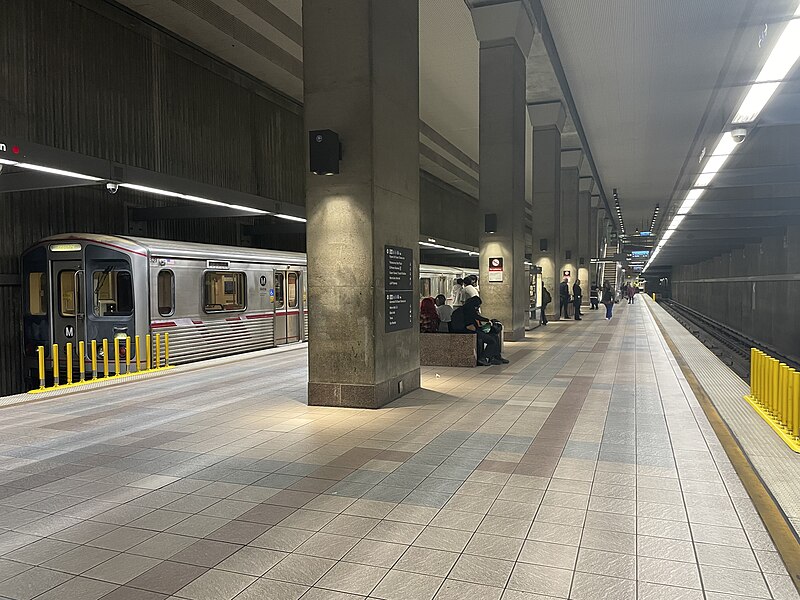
354	395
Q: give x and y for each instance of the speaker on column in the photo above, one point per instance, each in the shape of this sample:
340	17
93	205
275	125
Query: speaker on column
325	152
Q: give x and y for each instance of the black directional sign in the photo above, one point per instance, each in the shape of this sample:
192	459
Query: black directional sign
399	286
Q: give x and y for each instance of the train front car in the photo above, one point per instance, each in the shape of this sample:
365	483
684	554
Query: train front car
78	289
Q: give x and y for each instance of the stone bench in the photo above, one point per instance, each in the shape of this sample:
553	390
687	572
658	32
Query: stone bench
447	350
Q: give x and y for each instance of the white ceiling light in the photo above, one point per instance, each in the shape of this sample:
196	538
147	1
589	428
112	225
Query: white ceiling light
704	179
676	220
692	197
50	170
755	101
726	145
784	54
715	163
290	218
665	236
190	198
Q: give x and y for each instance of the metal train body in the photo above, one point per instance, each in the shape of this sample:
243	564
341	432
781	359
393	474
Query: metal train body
212	300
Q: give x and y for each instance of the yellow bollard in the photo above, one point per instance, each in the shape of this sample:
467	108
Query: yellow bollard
94	359
105	357
166	349
796	406
756	384
82	360
69	363
127	354
782	397
136	343
753	383
789	417
773	393
56	378
157	361
762	377
147	350
40	353
116	355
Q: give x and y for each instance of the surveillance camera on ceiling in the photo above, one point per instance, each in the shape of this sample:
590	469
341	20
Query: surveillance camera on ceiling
112	187
738	135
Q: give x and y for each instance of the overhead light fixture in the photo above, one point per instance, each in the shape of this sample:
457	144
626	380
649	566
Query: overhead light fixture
49	170
190	198
704	179
726	145
290	218
715	163
780	61
666	235
676	220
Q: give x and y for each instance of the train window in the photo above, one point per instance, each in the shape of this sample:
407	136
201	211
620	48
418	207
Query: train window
292	290
425	287
113	293
67	294
224	291
278	290
166	293
37	294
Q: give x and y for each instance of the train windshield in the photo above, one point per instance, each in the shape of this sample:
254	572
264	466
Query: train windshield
113	293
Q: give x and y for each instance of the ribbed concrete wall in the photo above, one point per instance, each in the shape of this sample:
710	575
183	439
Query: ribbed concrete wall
754	289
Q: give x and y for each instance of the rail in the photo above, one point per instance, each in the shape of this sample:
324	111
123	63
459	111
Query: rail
775	395
123	365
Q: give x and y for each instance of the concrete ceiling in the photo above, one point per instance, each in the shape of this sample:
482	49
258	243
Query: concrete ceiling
652	82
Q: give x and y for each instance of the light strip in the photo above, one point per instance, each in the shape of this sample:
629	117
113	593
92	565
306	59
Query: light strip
784	54
692	197
198	199
290	217
704	179
50	170
676	220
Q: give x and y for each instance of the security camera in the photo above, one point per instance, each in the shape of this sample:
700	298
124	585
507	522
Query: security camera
738	135
112	187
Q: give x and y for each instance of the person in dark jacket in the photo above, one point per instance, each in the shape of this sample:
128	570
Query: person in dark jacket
468	319
608	299
563	297
594	296
577	297
546	299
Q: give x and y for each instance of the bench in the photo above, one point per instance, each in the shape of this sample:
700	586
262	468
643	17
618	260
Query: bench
447	350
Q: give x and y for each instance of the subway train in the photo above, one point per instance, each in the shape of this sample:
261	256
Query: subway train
212	300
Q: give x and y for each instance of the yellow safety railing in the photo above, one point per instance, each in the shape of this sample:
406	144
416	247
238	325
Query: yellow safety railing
775	395
121	361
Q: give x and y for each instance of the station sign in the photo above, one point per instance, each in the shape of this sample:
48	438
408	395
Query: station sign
398	288
496	269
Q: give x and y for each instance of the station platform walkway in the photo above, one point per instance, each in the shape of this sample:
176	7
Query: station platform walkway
585	469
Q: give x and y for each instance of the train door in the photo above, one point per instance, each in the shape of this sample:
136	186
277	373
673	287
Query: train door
69	304
288	308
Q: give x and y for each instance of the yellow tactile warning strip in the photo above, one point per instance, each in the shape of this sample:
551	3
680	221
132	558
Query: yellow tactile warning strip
768	509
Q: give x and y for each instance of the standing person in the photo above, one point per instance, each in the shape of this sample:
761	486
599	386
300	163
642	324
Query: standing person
546	299
631	294
428	317
563	298
445	313
608	299
577	297
594	296
458	293
469	287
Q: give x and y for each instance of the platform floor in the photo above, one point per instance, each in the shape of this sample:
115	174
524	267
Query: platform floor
585	469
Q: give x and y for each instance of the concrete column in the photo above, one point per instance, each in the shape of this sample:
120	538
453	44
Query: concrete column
547	120
361	79
570	171
594	235
505	32
586	184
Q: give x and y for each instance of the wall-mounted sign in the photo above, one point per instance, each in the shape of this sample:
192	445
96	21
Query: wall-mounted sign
398	288
496	269
566	274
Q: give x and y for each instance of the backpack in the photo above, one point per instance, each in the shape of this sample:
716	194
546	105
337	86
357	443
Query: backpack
457	324
546	297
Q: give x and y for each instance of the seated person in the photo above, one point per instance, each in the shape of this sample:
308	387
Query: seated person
467	319
428	317
445	312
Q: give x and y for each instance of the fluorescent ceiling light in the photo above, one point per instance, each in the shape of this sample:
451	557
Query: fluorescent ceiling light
715	163
704	179
198	199
686	206
149	190
666	235
754	102
290	218
726	145
676	220
257	211
50	170
784	54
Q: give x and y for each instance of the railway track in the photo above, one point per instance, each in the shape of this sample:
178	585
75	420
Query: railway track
731	346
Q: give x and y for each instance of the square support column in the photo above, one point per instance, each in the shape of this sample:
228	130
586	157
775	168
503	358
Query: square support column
570	173
361	78
505	31
584	233
547	120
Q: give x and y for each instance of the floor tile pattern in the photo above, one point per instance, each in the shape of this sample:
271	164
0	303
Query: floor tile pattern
584	469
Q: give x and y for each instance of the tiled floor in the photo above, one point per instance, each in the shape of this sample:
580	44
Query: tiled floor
584	470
